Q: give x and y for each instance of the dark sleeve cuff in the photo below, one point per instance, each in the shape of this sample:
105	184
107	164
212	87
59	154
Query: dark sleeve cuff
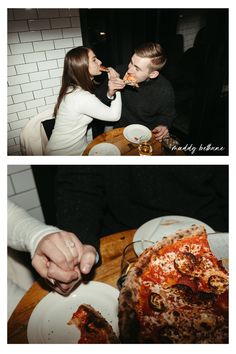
101	93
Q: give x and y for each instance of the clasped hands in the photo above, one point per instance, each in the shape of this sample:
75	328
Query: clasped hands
61	259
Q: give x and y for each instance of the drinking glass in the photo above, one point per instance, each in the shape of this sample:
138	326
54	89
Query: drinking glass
170	144
130	256
145	148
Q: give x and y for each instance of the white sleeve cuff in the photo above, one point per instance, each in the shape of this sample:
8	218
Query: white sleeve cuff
111	98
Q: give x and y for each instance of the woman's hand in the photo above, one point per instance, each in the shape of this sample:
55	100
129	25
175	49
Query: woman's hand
61	259
114	82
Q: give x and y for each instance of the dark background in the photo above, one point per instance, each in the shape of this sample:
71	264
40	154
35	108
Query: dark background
45	182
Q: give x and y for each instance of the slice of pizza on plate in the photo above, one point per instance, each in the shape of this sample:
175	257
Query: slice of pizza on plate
93	327
177	292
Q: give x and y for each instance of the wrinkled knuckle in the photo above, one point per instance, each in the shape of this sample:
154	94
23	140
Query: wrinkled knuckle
61	260
51	274
65	286
72	278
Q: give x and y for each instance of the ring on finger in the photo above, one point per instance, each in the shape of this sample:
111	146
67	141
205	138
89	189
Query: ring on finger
70	244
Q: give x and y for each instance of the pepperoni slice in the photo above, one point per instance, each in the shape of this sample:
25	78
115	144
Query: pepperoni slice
218	283
185	263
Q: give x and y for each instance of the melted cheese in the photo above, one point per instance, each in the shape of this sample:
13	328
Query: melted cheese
165	262
192	248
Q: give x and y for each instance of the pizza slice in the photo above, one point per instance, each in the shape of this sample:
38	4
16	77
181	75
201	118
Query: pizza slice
177	292
93	326
130	80
104	68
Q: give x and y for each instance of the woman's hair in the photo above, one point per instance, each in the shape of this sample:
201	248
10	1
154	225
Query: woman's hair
75	73
155	52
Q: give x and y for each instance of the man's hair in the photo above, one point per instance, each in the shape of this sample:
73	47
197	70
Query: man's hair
155	52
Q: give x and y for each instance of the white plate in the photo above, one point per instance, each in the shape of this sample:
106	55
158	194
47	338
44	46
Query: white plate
48	321
136	133
219	244
156	229
104	149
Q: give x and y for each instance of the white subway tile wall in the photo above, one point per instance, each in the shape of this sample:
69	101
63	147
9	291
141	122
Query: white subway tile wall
188	25
21	189
38	40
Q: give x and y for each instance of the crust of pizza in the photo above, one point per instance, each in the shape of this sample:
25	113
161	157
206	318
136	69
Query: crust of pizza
130	80
104	68
129	301
93	326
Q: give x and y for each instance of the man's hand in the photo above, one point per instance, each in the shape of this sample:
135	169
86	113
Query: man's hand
160	132
114	82
64	280
61	258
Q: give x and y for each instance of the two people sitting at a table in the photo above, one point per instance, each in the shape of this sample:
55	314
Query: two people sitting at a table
152	104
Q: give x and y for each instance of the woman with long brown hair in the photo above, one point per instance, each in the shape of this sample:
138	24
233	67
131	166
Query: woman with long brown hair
77	106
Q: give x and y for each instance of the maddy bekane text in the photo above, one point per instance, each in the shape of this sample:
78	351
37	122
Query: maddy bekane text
192	149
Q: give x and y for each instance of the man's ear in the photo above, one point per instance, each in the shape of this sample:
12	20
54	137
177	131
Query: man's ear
154	74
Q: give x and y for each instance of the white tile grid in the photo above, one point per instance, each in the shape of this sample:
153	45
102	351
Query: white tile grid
38	40
12	169
189	27
21	189
23	181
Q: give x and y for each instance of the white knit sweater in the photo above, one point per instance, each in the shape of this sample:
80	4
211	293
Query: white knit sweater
76	112
24	232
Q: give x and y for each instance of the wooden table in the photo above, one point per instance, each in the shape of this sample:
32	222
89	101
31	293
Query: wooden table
111	248
116	137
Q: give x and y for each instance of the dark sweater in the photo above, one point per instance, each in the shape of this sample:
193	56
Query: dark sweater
93	201
151	104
